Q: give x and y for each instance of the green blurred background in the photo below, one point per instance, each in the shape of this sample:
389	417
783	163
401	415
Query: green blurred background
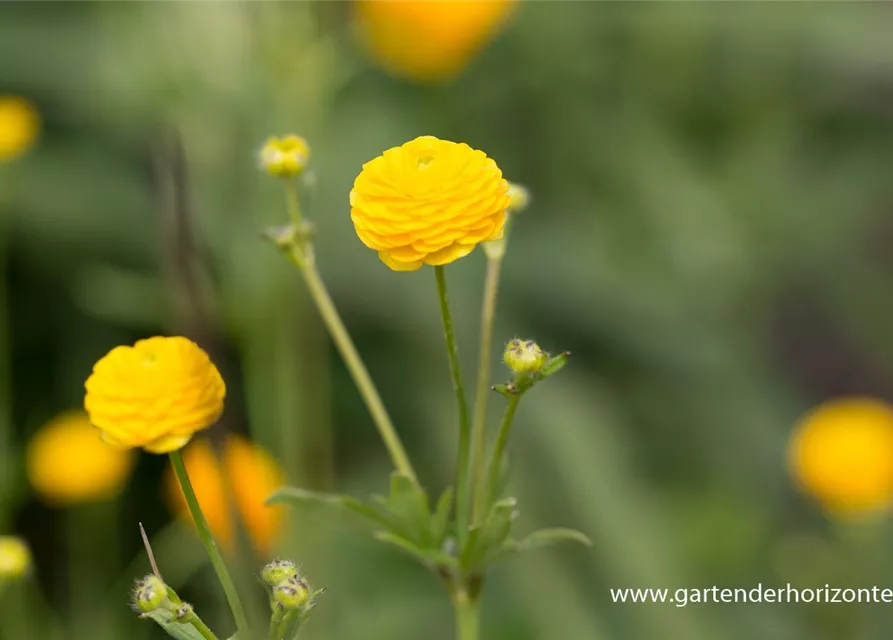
711	235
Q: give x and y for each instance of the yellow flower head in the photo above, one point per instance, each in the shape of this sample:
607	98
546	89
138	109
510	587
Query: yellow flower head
841	453
155	394
285	156
15	557
429	201
429	39
68	463
251	474
19	123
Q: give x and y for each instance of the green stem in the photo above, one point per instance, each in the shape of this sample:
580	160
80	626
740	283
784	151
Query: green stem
293	204
276	619
202	628
479	425
204	533
499	448
5	361
467	617
302	258
464	426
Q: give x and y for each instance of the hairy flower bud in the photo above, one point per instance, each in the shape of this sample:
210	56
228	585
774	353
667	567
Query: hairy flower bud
151	594
524	356
278	572
291	594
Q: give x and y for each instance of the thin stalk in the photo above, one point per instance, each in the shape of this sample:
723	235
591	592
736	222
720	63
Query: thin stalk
293	204
202	628
499	448
462	495
467	617
344	343
479	424
5	353
204	533
276	620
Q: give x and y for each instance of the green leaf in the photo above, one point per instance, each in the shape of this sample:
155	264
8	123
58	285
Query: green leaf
549	537
555	364
174	629
440	521
431	558
491	535
342	503
408	504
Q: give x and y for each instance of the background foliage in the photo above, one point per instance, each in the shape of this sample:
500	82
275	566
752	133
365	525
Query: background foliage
710	235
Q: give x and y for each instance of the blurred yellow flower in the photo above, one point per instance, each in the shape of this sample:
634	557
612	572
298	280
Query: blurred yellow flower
428	201
68	463
19	123
155	394
15	557
429	39
285	156
251	474
841	453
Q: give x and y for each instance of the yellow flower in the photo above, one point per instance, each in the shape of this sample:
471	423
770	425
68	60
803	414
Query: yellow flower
429	39
429	201
19	123
15	557
841	453
68	463
286	156
155	394
252	475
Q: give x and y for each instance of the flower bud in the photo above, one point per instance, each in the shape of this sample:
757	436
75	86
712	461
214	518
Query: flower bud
151	594
291	594
15	557
519	198
286	156
524	356
278	572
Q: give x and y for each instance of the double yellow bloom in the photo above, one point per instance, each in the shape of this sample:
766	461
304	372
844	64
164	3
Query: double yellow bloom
155	394
428	201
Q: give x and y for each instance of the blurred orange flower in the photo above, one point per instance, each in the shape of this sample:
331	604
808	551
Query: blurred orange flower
429	39
428	201
155	394
841	453
19	123
68	463
249	472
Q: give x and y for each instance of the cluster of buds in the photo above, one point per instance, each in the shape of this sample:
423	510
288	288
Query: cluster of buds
288	590
291	597
530	364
